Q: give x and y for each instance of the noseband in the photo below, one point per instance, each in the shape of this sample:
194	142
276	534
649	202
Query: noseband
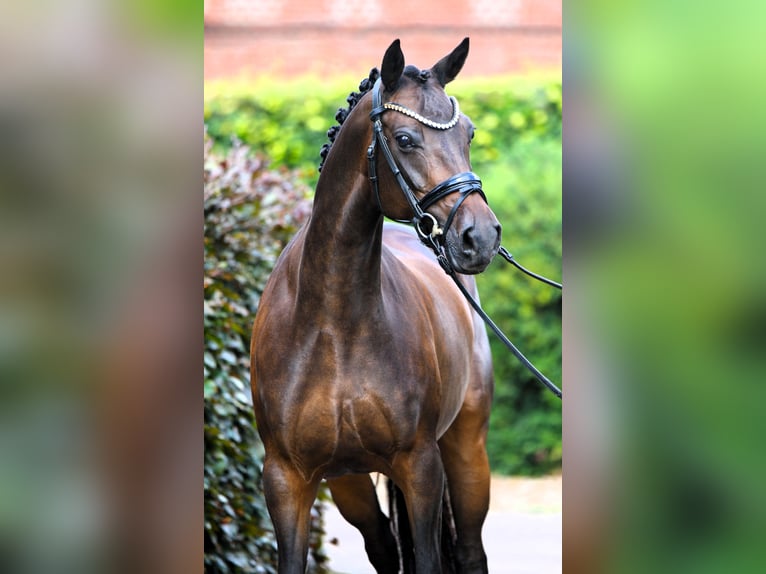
466	183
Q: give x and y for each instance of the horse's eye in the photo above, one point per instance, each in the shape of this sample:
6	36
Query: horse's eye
473	133
404	141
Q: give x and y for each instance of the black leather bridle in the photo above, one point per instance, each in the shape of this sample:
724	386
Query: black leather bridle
433	236
427	226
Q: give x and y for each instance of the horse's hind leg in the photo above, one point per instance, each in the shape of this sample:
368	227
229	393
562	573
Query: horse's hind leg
355	497
289	498
464	454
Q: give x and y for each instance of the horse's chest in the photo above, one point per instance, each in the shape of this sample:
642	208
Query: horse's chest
342	426
349	403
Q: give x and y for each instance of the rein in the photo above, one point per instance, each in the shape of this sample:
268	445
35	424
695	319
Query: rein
426	225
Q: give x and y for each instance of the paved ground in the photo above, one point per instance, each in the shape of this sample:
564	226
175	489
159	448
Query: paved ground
522	534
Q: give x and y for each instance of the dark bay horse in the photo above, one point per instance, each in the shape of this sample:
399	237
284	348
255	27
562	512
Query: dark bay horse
364	356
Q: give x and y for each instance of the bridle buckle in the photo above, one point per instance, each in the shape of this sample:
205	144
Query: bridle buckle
434	232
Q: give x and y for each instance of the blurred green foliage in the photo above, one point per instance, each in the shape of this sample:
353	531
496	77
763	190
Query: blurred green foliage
670	286
288	120
517	153
524	191
287	124
250	214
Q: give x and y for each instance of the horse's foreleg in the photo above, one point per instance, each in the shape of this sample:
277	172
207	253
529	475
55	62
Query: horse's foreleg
464	454
355	497
289	498
420	475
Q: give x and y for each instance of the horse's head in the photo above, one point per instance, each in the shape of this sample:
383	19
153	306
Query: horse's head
429	140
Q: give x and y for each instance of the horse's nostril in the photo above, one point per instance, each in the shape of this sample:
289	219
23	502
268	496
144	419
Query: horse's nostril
469	243
475	241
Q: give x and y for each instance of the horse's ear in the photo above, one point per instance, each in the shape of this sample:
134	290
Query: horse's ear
393	65
449	66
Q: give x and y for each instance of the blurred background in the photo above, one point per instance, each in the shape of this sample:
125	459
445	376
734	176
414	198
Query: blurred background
333	37
664	311
100	345
275	74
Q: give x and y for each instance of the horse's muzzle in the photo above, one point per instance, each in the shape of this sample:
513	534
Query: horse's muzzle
470	248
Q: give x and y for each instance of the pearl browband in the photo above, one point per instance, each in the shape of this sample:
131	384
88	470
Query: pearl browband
426	121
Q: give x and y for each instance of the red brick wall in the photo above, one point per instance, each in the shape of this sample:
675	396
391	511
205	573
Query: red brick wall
250	37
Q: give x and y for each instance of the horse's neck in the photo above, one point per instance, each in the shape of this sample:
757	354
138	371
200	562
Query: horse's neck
340	262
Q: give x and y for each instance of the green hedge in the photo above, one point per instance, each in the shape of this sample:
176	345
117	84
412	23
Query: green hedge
517	153
250	213
524	192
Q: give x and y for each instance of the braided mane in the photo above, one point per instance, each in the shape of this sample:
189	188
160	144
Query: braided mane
352	99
